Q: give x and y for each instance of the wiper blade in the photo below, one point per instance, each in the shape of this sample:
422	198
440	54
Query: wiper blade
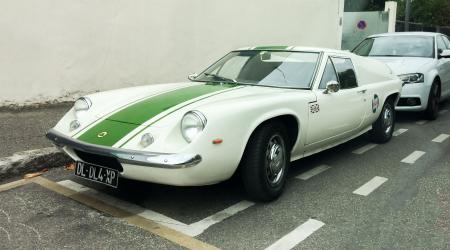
220	77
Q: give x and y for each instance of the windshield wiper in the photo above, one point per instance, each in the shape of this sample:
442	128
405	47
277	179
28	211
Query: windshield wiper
220	77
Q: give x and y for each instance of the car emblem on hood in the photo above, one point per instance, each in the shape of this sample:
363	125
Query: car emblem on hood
102	134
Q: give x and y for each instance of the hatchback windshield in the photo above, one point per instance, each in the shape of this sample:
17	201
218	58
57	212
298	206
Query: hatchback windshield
399	46
268	68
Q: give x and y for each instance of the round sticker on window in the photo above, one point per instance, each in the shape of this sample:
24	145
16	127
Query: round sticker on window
375	103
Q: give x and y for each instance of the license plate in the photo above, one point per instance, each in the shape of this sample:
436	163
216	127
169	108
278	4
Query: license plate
97	173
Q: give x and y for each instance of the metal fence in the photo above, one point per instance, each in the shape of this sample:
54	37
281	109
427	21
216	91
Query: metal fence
400	27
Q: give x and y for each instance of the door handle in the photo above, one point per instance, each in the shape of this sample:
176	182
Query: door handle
362	91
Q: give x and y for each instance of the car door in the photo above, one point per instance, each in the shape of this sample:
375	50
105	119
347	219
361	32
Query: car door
340	114
443	65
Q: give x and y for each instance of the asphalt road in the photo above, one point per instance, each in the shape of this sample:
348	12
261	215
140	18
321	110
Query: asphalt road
355	196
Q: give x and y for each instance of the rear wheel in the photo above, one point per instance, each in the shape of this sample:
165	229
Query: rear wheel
432	111
383	127
265	162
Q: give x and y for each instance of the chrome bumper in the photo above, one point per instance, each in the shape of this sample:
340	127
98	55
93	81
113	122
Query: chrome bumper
157	160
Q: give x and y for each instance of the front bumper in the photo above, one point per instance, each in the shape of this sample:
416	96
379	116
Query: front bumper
419	91
132	157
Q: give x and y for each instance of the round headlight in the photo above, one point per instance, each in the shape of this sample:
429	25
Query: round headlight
192	124
83	103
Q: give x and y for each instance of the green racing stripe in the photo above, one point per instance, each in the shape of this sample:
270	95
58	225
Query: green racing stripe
109	131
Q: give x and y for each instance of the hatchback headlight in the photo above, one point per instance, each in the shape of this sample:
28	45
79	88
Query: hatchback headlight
412	78
83	103
192	124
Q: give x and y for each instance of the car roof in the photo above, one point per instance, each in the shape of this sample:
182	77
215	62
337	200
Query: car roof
407	34
294	48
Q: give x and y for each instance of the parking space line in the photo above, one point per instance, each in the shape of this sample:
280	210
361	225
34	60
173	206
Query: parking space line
193	229
14	184
399	131
441	138
200	226
127	206
413	157
136	220
297	235
370	186
364	149
421	122
313	172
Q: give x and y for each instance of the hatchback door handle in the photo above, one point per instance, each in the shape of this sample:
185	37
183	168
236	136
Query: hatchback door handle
362	91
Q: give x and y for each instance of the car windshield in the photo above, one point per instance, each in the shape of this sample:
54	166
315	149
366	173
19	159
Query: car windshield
268	68
397	46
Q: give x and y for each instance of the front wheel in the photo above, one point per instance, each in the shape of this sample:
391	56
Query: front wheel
432	111
383	127
265	162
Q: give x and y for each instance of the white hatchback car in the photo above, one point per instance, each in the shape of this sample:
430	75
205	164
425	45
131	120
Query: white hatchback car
421	60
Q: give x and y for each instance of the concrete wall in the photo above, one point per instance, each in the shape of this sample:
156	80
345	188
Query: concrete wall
53	48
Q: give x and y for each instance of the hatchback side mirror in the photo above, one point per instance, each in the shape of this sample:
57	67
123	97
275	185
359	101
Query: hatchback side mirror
332	87
192	76
445	54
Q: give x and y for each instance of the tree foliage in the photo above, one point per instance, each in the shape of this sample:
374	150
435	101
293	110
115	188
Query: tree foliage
429	12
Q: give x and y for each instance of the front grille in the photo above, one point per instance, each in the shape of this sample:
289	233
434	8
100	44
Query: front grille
101	160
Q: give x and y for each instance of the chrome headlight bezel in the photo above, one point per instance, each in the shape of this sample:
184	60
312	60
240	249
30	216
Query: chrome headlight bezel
412	78
82	104
192	124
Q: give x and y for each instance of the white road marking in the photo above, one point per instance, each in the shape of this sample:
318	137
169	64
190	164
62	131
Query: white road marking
413	157
364	149
193	229
370	186
399	131
310	173
200	226
441	138
421	122
129	207
296	236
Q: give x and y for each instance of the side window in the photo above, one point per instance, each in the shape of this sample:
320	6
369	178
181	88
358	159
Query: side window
346	72
440	44
329	74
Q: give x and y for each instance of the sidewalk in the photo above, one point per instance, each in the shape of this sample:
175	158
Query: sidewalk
23	145
25	129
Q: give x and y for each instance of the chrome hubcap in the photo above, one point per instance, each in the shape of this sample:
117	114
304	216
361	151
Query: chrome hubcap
275	159
388	120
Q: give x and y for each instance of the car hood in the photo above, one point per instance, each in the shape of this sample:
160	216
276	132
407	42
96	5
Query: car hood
406	65
142	112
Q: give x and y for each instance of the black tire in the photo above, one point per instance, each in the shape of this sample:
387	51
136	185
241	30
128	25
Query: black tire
261	179
432	111
383	127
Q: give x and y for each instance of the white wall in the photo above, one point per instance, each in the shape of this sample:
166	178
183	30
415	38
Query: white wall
55	48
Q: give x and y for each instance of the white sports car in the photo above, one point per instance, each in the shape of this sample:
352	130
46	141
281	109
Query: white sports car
421	60
252	112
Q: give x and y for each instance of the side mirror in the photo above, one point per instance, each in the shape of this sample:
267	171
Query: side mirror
445	54
332	87
192	76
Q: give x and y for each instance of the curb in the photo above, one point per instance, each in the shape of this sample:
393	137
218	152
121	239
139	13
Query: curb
31	161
